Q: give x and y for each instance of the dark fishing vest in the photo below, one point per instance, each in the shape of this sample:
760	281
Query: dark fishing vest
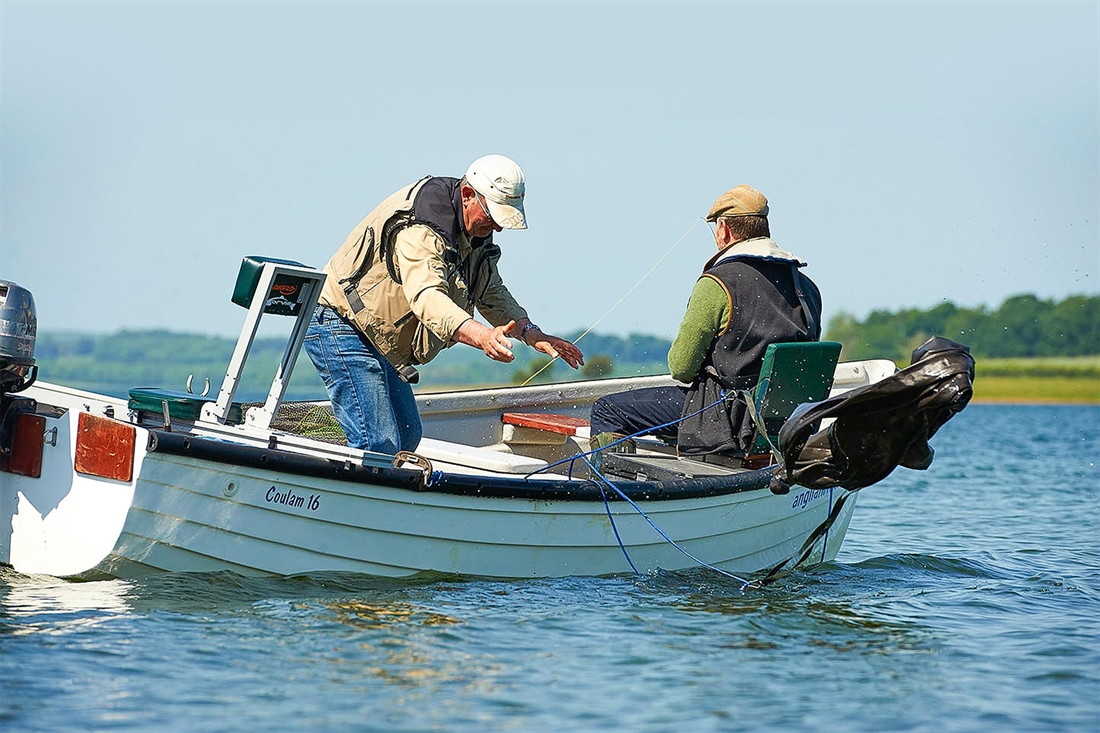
771	301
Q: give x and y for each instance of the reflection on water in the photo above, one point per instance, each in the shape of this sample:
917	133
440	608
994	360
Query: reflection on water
964	600
357	628
395	651
807	607
364	615
42	604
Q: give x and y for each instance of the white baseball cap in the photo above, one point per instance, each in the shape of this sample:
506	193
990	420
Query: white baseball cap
501	182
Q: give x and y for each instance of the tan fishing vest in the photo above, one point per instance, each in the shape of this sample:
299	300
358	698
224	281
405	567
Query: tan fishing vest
361	288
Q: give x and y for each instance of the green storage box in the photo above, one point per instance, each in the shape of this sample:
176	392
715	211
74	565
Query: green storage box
181	405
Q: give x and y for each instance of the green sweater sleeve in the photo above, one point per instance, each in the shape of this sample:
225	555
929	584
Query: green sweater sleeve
708	313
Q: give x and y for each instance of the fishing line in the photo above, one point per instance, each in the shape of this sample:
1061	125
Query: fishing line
620	300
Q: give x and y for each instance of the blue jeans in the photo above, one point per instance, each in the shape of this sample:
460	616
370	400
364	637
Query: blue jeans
375	407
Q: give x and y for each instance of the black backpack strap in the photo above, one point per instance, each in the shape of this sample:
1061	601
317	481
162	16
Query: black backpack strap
813	328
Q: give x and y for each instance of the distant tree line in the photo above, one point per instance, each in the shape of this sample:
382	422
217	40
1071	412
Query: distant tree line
1023	326
115	363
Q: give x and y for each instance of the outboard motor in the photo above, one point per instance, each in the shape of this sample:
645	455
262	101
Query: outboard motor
18	330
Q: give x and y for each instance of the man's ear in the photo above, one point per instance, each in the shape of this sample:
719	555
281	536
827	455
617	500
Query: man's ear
722	231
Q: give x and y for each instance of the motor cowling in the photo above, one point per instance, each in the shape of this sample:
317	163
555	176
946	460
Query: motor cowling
18	331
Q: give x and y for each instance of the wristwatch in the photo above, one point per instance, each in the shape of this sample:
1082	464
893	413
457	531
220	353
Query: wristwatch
523	331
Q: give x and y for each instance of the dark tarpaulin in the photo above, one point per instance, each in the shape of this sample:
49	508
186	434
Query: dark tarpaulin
878	427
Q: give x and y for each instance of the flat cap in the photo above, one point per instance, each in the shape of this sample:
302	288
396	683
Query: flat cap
740	201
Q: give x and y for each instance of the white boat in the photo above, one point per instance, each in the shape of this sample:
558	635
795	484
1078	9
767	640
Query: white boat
91	484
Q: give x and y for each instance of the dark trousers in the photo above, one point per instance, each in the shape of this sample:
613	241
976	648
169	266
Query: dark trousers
639	410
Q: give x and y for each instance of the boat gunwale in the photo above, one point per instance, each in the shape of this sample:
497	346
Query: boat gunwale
441	482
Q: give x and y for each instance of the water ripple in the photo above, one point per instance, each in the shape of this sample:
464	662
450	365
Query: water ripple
966	598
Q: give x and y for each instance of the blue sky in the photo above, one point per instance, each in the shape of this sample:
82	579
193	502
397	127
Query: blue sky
912	152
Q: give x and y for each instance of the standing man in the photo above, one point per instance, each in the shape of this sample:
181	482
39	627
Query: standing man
751	294
404	286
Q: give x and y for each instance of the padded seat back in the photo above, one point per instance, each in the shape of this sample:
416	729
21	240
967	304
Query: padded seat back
285	296
792	373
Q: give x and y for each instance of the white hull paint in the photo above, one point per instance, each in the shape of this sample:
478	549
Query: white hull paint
187	513
181	520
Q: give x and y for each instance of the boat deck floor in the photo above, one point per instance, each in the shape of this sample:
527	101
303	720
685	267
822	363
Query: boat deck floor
659	467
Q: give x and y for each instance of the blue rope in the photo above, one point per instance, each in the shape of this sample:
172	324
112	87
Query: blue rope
584	456
610	518
723	396
744	583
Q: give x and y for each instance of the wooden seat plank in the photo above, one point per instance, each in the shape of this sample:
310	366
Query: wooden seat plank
563	424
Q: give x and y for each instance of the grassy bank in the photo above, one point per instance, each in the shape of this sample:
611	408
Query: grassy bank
1037	389
1051	380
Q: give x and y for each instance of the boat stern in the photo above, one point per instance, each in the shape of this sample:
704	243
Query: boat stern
67	475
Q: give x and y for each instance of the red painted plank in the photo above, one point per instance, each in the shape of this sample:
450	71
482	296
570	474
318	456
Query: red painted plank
563	424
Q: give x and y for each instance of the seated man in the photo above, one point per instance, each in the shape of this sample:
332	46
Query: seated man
751	294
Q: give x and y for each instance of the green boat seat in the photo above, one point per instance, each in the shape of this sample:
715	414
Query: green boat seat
283	300
792	373
181	405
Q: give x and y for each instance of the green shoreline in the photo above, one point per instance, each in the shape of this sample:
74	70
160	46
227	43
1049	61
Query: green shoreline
1037	390
1051	380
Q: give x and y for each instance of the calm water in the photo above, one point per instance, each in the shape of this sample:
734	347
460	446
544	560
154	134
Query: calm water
966	598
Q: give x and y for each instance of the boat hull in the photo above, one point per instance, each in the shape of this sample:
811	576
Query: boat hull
190	515
198	503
